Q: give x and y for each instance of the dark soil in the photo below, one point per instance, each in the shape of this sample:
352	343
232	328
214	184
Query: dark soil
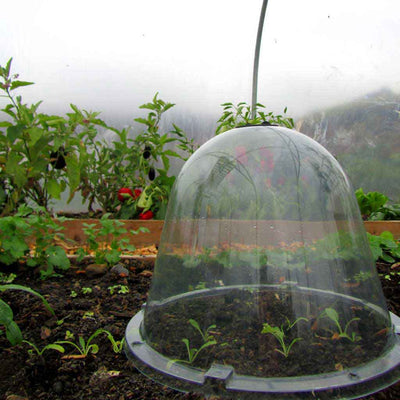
105	375
236	319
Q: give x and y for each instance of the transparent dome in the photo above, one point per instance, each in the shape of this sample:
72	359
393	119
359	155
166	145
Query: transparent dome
265	286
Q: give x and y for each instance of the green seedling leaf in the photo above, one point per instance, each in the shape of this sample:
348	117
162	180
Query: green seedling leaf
28	290
332	314
13	333
6	313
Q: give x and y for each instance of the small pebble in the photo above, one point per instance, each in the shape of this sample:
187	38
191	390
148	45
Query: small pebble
96	270
58	387
119	269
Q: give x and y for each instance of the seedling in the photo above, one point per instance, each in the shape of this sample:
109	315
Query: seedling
280	334
122	289
4	278
332	314
193	353
104	249
51	346
85	348
88	315
87	290
204	335
13	333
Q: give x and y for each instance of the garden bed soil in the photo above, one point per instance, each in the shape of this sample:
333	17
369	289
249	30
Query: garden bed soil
105	375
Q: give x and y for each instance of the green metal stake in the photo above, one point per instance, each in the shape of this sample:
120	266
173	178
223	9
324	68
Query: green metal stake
257	59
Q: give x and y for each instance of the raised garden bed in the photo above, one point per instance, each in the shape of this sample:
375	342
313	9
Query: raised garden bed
73	230
105	375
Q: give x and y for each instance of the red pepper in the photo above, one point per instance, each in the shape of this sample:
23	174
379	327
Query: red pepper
125	193
146	215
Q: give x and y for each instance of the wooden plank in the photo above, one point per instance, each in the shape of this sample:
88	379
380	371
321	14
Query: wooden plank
73	229
377	227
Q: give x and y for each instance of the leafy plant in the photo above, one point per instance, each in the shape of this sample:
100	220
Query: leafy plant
50	346
280	333
387	212
142	161
192	353
120	289
84	348
45	233
241	115
384	247
105	241
35	148
4	278
13	333
32	235
370	203
14	232
332	314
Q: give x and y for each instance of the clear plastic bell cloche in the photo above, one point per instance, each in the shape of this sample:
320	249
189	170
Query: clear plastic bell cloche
264	285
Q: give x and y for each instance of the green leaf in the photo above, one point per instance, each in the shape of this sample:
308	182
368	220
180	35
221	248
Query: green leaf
14	132
73	172
57	257
28	290
17	84
387	235
6	314
54	188
17	171
57	347
35	134
142	121
13	333
8	68
332	314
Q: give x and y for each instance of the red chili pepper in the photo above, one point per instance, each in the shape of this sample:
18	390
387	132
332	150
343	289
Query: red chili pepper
138	192
125	193
146	215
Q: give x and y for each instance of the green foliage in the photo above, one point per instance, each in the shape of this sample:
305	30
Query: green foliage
50	346
192	353
46	253
105	240
120	289
280	333
87	290
13	333
384	247
34	149
14	233
332	314
241	115
4	278
139	162
84	348
370	203
388	212
43	155
36	228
